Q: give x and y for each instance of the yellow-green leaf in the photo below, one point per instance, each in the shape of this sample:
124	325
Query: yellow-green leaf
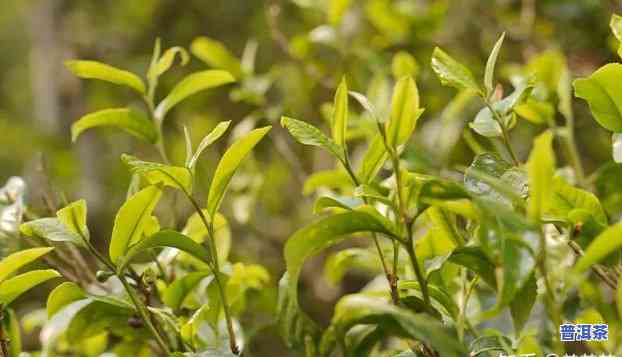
228	164
451	72
604	244
601	91
63	295
165	238
131	219
340	114
208	140
215	54
404	112
12	288
190	85
13	262
616	28
156	173
73	216
540	168
126	119
307	134
104	72
489	74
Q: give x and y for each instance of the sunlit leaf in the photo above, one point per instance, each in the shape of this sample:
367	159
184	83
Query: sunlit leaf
404	65
452	73
208	140
489	73
156	173
13	287
126	119
51	229
326	232
228	164
63	295
104	72
567	198
130	221
175	293
307	134
215	54
616	28
339	122
404	112
192	84
373	160
617	147
166	61
540	168
600	90
73	216
165	238
606	243
13	262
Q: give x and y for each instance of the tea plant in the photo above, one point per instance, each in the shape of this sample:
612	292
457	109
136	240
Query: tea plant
459	256
482	260
139	296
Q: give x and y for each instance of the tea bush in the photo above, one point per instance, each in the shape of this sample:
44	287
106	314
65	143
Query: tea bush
487	257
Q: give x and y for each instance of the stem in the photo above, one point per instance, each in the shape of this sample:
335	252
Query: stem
4	343
504	132
216	269
391	276
415	263
140	307
144	313
552	308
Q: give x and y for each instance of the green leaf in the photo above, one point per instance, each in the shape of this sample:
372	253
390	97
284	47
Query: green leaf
326	202
353	310
474	259
567	198
404	112
334	179
489	73
166	238
228	164
104	72
616	28
374	159
339	122
10	324
12	288
601	91
51	229
540	168
190	85
243	279
293	323
619	297
606	243
208	140
440	300
13	262
63	295
403	65
166	61
175	293
131	219
97	317
485	124
338	264
73	216
326	232
122	118
307	134
196	230
522	304
156	173
452	73
216	55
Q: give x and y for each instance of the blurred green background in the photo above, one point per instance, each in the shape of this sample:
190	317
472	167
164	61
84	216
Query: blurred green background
303	48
